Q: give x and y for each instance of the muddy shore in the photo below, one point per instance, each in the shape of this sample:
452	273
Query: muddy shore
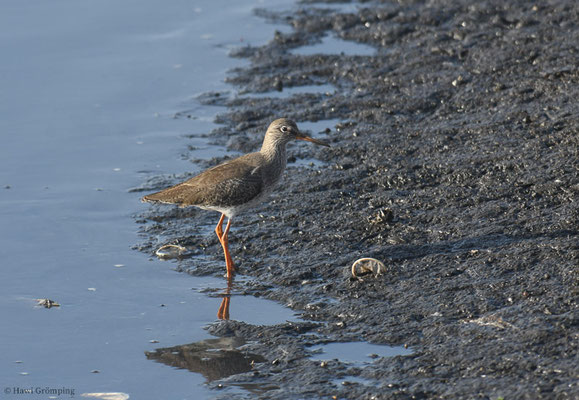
456	163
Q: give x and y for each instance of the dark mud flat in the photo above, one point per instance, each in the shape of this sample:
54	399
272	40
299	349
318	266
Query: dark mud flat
456	164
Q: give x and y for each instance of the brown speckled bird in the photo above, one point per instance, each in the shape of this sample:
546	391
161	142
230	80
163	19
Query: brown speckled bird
238	184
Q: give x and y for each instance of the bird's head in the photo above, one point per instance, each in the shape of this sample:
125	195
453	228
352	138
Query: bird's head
284	130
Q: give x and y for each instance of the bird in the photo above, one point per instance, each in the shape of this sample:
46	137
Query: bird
238	184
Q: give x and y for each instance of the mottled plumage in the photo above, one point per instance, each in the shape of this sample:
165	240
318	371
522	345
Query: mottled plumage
228	186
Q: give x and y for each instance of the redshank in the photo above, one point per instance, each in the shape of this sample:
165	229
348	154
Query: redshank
238	184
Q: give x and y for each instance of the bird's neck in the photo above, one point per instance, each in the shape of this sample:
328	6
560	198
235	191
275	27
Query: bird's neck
273	150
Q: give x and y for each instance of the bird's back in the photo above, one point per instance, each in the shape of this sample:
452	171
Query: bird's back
227	185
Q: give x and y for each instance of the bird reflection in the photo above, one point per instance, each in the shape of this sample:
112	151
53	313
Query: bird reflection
223	312
214	358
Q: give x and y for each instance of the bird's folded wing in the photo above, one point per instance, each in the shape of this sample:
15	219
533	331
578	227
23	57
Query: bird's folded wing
226	185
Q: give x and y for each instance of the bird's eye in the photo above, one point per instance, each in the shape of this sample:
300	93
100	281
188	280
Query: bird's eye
284	128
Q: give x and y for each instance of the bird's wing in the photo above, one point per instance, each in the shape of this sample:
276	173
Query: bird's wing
228	184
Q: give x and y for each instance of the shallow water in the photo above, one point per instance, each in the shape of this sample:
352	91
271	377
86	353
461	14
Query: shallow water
89	94
357	353
331	44
213	358
290	91
319	126
337	6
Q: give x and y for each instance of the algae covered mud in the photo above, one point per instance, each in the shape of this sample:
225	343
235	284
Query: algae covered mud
454	161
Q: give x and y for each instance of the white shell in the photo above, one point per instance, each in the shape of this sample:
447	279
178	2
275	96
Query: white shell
368	264
170	251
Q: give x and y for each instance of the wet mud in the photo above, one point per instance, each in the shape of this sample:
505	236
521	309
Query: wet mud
455	164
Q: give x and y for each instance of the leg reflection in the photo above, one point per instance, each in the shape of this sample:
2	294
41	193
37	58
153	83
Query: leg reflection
223	312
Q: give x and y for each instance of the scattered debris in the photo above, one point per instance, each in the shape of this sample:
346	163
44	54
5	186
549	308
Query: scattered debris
47	303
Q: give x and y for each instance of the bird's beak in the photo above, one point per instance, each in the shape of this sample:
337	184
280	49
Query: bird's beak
301	136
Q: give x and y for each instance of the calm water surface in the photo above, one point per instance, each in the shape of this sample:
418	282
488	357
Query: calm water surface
88	90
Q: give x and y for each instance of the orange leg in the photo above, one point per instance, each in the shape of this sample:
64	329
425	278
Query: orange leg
222	235
228	260
219	227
